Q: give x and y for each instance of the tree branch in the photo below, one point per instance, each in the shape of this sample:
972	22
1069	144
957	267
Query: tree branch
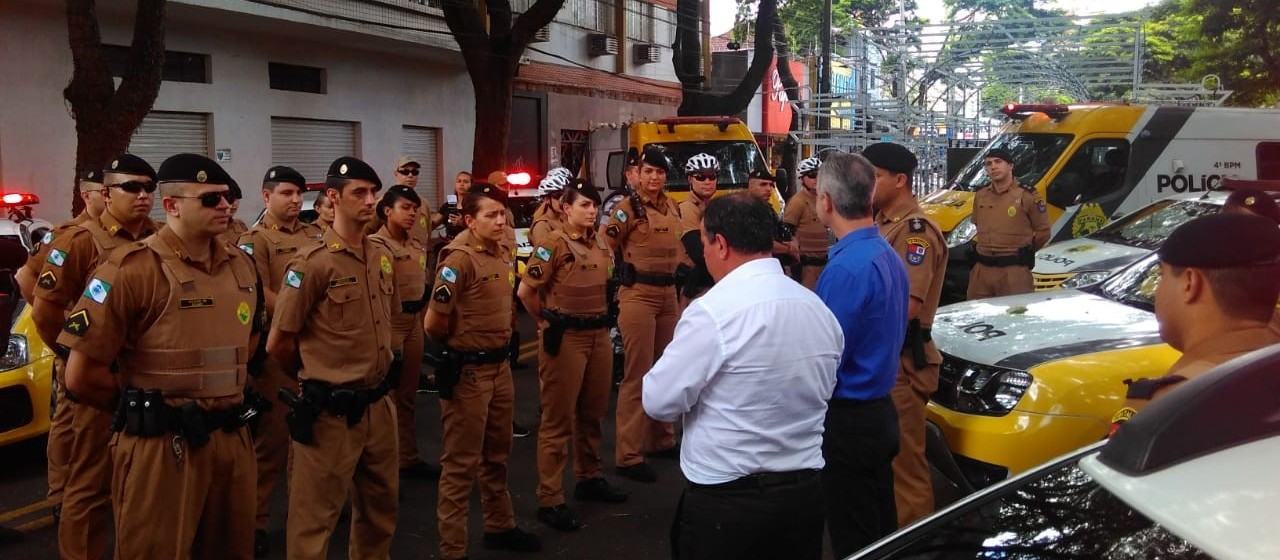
141	83
91	85
538	16
499	17
463	20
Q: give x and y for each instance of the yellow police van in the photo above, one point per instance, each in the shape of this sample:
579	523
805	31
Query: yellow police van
1096	163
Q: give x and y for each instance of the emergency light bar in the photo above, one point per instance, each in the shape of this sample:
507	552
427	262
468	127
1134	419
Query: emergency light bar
721	122
519	179
1020	111
19	199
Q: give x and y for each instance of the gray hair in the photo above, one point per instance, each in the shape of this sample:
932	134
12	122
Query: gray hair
849	181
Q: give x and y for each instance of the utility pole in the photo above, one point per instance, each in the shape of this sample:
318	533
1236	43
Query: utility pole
824	72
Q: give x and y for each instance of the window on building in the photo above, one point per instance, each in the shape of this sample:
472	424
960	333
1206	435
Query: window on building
595	15
291	77
178	66
640	21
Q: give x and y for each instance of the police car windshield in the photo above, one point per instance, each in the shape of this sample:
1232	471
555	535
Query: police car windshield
1134	285
1149	227
737	159
1033	155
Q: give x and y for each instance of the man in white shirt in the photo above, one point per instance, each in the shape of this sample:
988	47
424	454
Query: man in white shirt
750	370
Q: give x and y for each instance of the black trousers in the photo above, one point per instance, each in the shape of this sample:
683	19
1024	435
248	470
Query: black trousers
776	516
859	444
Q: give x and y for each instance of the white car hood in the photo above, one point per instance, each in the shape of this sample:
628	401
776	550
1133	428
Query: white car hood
1079	255
1022	331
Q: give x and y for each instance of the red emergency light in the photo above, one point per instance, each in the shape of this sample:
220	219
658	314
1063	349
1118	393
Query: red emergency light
1020	111
519	178
19	199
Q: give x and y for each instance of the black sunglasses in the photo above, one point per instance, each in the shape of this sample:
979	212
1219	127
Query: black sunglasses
704	176
134	187
211	199
408	171
811	174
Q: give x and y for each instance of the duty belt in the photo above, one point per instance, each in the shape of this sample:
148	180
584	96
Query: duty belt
813	261
661	280
577	322
1008	260
144	413
344	402
413	306
483	357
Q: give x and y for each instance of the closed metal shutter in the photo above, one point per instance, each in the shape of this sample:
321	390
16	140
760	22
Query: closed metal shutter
309	146
163	134
423	144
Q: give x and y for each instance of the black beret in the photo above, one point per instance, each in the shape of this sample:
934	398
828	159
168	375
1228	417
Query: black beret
489	190
761	174
587	189
192	168
130	164
1223	240
1255	201
402	191
347	167
894	158
92	176
234	187
285	174
633	157
1000	153
654	156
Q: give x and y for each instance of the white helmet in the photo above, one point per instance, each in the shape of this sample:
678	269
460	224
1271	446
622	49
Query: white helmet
808	165
552	183
701	162
560	171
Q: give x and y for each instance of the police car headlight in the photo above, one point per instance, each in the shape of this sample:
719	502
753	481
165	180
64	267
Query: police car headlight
990	391
15	354
1086	278
962	233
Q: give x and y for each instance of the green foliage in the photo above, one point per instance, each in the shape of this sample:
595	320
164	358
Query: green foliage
803	19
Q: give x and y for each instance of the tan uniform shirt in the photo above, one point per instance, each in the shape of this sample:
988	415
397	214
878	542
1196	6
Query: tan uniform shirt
409	262
691	210
421	230
35	262
473	288
73	256
1007	220
651	243
802	214
920	243
272	245
169	321
338	299
544	223
235	228
571	270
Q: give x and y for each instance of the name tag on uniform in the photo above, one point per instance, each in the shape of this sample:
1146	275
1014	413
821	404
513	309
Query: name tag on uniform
339	282
286	250
489	277
195	303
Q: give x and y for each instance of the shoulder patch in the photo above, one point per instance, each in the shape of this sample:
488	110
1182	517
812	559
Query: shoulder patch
916	225
47	280
47	238
56	257
1041	206
917	248
620	215
247	248
1123	415
97	290
448	274
78	323
612	230
543	253
442	294
535	271
293	279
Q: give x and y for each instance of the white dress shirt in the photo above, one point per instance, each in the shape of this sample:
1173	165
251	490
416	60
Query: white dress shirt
751	367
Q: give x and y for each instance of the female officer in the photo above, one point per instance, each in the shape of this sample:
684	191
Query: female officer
397	211
324	207
564	288
548	217
470	313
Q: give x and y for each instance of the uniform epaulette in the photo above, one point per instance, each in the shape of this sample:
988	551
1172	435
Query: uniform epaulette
311	250
1027	187
119	254
1146	388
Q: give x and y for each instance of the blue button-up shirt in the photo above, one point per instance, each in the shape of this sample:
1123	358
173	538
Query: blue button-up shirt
865	286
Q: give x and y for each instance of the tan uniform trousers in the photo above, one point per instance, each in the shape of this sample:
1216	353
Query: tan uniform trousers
809	276
575	398
406	332
360	458
477	444
86	494
199	505
912	480
647	318
271	442
58	451
995	281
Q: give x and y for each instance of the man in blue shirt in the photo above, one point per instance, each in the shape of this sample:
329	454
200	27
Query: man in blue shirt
866	287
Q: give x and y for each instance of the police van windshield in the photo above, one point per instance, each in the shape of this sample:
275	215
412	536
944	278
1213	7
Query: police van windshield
1033	155
1149	227
1135	285
737	159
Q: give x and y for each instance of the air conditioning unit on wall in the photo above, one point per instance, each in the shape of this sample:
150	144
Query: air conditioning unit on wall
600	44
542	35
647	53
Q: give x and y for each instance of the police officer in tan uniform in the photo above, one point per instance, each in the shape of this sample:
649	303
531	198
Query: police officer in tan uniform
408	171
811	238
919	243
235	227
565	288
272	243
548	217
333	313
162	337
1215	299
1012	222
761	186
71	259
469	314
702	172
1254	201
644	228
324	212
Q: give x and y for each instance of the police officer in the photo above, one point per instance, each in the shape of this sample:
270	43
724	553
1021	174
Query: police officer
334	313
162	337
644	231
811	237
407	173
548	217
67	270
324	212
919	243
702	172
1252	201
569	270
271	244
760	184
235	227
1215	298
1012	222
469	313
398	212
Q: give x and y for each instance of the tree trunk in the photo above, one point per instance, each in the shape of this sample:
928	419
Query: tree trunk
687	48
106	116
699	103
792	87
493	120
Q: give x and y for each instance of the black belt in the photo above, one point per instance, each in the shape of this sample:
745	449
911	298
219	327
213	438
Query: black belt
856	403
761	480
413	306
813	261
144	413
345	402
1009	260
661	280
483	357
577	322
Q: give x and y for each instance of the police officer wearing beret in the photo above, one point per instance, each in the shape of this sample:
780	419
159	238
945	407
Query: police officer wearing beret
235	227
66	272
919	243
1012	222
162	337
1219	283
760	184
1252	201
271	244
333	318
801	216
469	314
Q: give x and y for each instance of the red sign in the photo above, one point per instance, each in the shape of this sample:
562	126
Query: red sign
777	112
